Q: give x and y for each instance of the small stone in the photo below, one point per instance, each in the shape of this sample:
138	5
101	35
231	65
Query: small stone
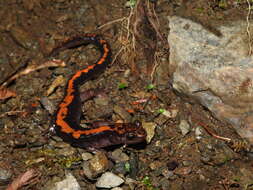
95	166
119	156
101	100
86	156
120	168
205	159
99	162
70	183
127	73
186	163
170	113
167	174
202	177
155	165
183	171
68	151
184	127
198	133
150	129
87	171
131	182
109	180
5	175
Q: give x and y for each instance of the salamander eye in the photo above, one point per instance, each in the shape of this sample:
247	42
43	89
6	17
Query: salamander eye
130	136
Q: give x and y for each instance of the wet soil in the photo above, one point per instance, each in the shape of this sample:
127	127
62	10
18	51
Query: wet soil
29	29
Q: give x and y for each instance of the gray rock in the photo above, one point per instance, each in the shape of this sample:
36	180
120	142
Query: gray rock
216	71
70	183
109	180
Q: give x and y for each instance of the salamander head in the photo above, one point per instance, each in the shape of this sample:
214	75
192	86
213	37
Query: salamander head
132	133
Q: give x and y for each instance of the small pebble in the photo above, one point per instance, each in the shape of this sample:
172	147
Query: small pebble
120	168
99	162
70	183
109	180
119	156
131	182
167	174
95	166
170	113
68	151
86	156
184	127
5	175
186	163
198	133
183	171
101	100
150	129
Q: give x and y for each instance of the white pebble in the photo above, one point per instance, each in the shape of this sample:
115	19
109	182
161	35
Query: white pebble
109	180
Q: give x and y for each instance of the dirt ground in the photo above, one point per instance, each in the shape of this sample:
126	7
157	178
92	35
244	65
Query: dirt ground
137	85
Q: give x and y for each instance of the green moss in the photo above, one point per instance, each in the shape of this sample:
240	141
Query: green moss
150	87
67	162
147	182
127	167
122	86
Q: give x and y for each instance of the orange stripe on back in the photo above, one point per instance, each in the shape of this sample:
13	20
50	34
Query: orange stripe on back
100	129
64	106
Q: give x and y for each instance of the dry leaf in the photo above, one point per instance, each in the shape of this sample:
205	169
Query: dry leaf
6	93
26	178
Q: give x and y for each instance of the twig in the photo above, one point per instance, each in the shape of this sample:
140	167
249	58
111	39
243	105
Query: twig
236	145
51	63
112	22
154	21
154	68
212	133
248	27
11	113
117	54
128	22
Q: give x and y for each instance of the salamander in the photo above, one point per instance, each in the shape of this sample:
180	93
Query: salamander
67	117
